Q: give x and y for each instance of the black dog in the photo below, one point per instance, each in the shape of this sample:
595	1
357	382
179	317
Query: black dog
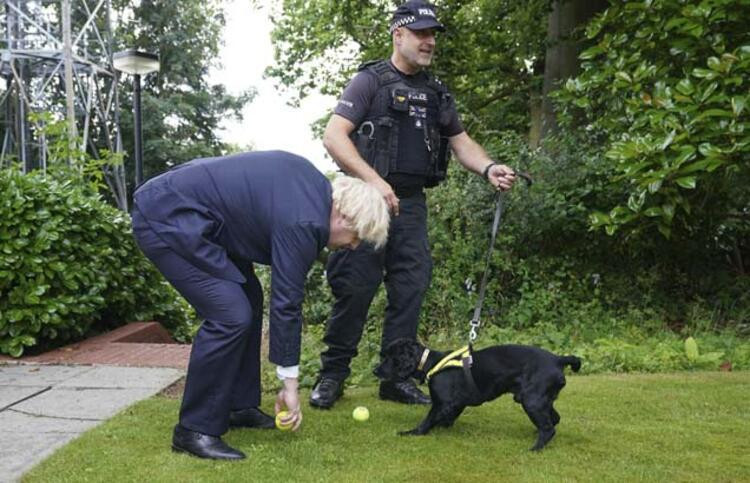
534	376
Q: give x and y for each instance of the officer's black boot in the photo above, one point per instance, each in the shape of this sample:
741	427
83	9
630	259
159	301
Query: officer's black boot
326	392
405	392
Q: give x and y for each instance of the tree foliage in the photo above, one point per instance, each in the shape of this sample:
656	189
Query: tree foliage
182	111
486	56
664	89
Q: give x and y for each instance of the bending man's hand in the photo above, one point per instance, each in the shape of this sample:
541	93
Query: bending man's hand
388	194
288	399
501	176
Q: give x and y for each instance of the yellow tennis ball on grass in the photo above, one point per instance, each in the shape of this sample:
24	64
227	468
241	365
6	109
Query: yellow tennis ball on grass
280	424
361	413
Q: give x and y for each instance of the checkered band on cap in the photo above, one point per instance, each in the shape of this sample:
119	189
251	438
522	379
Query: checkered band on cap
401	22
416	15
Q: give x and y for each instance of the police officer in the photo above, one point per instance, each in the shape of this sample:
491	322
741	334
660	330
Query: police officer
393	127
204	224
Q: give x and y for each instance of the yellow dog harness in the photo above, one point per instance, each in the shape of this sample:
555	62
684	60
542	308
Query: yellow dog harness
461	359
454	359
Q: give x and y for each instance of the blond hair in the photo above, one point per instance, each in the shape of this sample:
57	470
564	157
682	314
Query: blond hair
364	207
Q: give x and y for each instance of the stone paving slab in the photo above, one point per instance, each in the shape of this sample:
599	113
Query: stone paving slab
14	423
16	459
123	378
65	401
38	375
89	403
13	394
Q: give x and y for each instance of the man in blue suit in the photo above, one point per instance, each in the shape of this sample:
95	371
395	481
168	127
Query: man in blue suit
204	224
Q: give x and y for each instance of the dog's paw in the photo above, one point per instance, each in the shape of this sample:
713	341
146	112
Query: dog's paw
543	439
412	432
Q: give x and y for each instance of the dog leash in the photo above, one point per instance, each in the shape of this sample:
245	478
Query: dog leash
499	207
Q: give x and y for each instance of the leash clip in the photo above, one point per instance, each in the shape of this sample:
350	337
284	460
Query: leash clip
475	323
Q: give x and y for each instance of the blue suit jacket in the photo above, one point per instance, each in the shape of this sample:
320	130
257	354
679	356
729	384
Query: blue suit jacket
267	207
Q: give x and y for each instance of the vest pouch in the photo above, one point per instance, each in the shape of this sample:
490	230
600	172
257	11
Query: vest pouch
446	106
373	140
440	164
363	139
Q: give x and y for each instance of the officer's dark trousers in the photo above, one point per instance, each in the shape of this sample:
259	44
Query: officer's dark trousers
355	275
224	369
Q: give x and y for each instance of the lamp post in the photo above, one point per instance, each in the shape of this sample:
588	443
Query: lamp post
136	63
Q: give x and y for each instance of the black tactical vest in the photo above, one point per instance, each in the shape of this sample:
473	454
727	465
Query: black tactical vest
401	131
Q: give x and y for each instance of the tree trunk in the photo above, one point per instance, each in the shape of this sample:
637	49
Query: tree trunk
536	113
561	59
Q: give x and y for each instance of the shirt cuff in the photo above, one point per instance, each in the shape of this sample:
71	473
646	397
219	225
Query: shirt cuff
289	372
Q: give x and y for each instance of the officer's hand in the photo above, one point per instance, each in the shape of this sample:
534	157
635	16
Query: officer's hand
288	398
387	192
501	176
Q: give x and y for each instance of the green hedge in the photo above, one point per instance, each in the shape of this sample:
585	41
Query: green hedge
69	265
663	92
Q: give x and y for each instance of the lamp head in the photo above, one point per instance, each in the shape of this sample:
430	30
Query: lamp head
135	62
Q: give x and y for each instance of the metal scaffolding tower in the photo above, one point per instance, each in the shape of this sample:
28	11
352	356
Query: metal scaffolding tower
56	57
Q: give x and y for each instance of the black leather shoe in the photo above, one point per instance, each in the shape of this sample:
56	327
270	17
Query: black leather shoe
326	392
251	418
404	392
203	445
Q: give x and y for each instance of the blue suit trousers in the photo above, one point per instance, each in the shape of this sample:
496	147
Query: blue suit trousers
224	369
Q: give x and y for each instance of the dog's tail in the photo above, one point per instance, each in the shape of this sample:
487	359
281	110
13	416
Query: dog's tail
572	361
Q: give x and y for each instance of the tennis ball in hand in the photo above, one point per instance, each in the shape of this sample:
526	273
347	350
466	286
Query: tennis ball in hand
280	424
361	413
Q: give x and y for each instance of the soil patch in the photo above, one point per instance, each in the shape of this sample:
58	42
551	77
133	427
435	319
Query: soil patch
175	390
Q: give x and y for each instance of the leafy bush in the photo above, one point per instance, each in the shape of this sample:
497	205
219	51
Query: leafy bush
664	85
68	262
547	267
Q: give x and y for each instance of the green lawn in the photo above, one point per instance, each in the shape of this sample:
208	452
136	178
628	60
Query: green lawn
656	427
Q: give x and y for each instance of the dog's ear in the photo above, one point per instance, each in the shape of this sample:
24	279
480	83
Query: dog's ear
400	360
407	358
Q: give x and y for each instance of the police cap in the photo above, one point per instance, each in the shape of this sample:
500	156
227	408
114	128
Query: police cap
416	15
